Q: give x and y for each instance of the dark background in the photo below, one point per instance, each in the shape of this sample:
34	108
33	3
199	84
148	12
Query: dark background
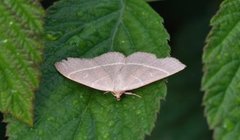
181	116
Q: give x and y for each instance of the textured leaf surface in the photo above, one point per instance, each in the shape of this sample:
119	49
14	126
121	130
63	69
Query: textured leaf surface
66	110
221	80
20	55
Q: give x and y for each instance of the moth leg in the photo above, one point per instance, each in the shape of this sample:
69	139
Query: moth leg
130	93
106	92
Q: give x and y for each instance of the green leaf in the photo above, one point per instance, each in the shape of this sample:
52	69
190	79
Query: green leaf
221	81
20	55
66	110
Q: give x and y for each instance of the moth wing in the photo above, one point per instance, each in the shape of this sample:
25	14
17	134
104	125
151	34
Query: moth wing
97	73
144	68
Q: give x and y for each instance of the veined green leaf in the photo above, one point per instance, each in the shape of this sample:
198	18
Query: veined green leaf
20	55
221	80
66	110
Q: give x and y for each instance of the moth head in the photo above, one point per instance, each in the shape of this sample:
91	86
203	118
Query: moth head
118	95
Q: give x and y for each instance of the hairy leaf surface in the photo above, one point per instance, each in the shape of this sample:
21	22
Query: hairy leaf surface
20	55
221	81
66	110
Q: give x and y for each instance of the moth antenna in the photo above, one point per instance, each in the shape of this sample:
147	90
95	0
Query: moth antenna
130	93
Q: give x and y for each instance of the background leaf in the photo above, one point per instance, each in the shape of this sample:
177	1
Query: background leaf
82	28
221	80
20	55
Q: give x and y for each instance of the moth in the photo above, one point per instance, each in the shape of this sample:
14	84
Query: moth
115	73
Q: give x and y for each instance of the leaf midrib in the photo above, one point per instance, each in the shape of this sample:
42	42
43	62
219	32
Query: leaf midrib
119	21
226	92
207	57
